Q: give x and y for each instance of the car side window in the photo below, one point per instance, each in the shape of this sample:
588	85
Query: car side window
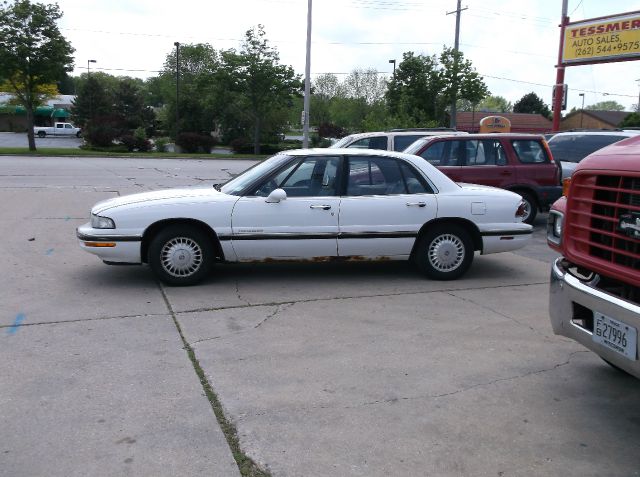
375	142
434	153
486	153
311	176
414	182
374	176
400	143
530	151
456	154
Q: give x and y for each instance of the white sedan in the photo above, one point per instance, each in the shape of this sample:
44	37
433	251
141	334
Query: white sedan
312	204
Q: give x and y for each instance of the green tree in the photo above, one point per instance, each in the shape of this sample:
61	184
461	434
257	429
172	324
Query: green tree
606	106
631	120
423	87
531	103
262	88
459	79
94	99
201	93
33	52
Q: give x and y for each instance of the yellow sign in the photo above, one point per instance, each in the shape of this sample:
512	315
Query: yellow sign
494	124
614	38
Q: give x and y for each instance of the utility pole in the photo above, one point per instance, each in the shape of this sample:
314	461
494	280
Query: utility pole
456	47
177	45
307	83
557	101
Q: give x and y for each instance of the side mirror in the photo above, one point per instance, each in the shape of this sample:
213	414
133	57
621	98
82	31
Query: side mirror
277	195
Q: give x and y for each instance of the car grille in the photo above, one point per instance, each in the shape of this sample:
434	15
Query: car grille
592	233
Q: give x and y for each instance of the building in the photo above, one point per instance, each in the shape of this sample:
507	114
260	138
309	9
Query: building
520	122
588	119
14	118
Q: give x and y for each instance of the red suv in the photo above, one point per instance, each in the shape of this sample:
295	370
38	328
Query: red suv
521	163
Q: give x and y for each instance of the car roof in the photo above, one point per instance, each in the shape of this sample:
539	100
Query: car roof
612	132
432	132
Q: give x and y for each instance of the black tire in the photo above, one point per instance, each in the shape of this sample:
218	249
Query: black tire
79	134
445	252
531	207
42	134
181	255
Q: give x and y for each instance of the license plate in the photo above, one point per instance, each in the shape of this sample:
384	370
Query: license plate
615	335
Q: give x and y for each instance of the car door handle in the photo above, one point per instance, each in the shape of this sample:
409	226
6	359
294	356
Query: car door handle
323	207
418	204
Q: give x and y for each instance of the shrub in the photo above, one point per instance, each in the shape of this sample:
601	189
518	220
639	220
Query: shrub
331	130
193	142
102	131
129	142
161	143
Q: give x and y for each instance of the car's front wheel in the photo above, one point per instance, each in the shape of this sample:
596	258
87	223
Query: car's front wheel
181	255
445	252
41	134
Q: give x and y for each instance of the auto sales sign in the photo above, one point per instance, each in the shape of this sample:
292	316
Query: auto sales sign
600	40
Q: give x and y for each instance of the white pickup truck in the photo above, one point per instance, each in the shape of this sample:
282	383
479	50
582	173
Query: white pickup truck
58	129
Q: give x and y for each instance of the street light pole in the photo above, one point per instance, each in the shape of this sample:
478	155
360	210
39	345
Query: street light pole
581	109
307	83
177	45
394	66
90	92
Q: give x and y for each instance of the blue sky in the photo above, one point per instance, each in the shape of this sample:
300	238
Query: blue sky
513	44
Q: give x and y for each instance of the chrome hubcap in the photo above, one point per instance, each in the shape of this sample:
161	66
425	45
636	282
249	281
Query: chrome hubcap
181	257
446	252
527	210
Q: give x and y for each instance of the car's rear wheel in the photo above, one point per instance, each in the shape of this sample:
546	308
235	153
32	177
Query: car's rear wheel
444	252
181	255
41	134
530	207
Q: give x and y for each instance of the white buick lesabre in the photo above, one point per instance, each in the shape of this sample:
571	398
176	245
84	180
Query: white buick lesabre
313	204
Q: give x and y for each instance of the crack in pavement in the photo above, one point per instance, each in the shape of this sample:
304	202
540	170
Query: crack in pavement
488	308
424	396
79	320
352	297
278	309
239	295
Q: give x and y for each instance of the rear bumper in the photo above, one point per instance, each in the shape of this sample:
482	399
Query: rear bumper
567	291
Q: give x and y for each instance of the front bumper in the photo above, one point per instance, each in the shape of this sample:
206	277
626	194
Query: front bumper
567	294
109	247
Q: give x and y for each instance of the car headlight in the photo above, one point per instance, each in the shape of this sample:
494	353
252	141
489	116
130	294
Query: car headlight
554	227
98	222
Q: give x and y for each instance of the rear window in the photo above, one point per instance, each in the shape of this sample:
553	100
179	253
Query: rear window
576	147
375	142
530	151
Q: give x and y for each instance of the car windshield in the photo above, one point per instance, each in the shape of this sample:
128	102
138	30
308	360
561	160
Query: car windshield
574	148
236	185
416	146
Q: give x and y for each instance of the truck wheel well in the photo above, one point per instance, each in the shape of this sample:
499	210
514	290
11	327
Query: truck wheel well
469	226
156	227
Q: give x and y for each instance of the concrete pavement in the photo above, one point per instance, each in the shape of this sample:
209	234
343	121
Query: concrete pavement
323	369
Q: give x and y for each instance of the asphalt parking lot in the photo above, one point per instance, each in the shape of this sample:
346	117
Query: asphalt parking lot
20	140
358	369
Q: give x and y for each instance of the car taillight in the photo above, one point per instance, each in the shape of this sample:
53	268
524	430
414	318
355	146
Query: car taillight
565	186
522	210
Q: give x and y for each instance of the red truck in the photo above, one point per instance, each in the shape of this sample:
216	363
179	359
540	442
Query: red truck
595	285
